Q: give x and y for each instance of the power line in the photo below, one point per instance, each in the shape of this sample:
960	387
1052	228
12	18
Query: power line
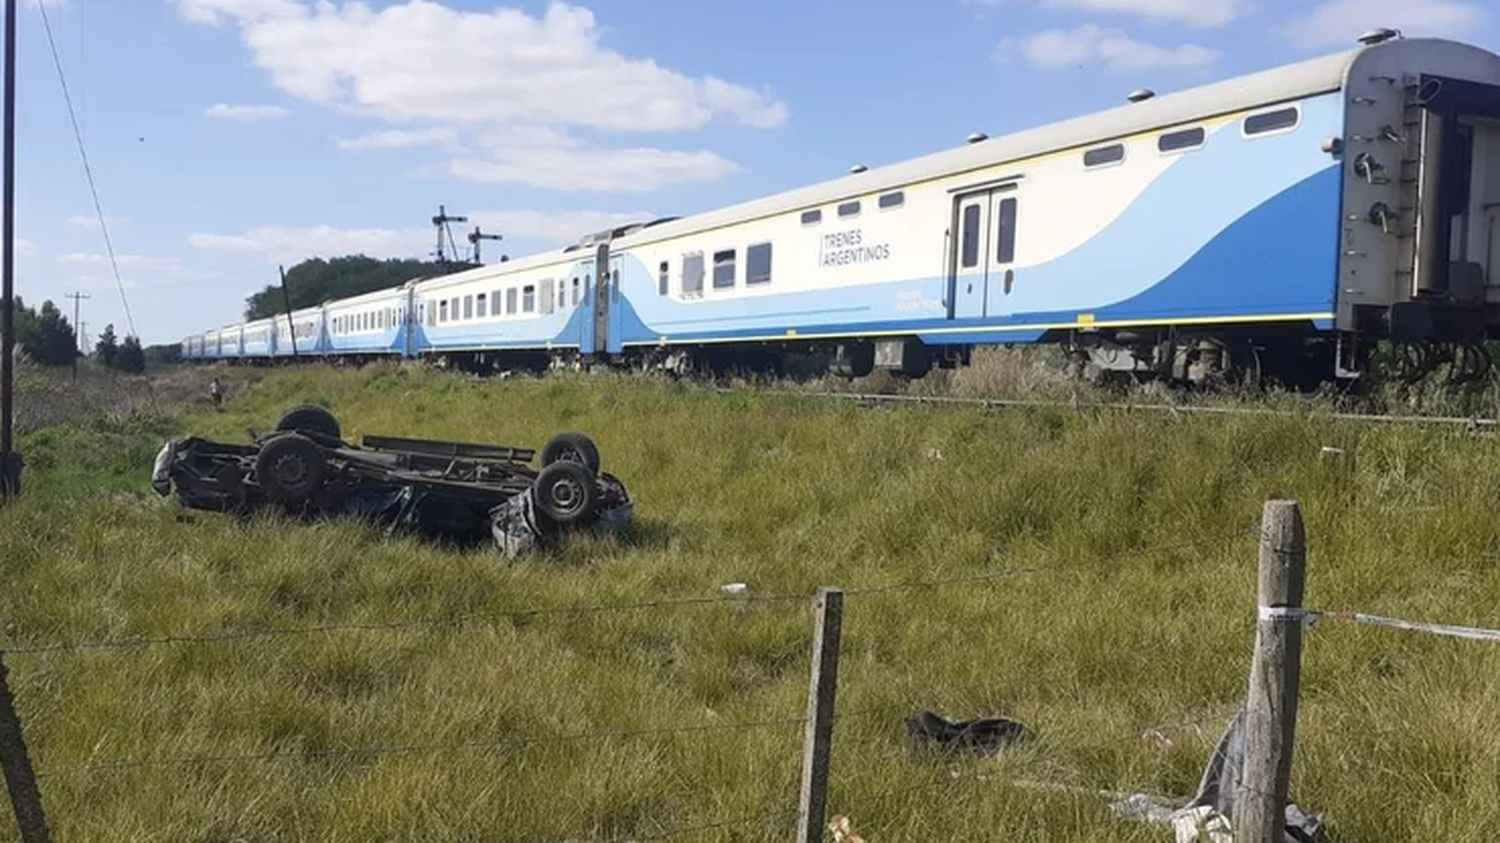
87	170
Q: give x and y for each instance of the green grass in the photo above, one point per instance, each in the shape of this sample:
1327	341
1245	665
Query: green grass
1131	609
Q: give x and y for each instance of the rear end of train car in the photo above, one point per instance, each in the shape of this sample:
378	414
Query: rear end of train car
1419	248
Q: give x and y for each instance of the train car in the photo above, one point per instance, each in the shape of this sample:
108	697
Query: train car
1278	223
310	337
370	325
1261	222
256	344
533	310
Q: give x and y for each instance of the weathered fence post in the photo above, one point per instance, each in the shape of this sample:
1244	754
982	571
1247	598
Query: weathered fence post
20	780
1275	672
817	748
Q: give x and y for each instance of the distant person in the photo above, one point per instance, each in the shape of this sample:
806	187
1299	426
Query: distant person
216	392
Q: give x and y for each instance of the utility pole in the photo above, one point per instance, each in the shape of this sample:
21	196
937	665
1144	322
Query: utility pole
10	461
77	332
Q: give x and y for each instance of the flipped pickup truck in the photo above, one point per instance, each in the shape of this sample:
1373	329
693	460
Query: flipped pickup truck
450	490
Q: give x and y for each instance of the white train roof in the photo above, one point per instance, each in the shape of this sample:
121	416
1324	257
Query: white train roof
1240	93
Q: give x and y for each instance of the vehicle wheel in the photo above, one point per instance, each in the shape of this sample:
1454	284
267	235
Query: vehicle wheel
290	468
566	492
311	418
572	447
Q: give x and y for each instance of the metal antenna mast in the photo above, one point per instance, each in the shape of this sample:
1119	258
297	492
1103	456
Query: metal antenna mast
440	222
475	236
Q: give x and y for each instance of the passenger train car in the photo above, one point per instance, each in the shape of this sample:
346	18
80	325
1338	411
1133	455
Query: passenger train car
1279	222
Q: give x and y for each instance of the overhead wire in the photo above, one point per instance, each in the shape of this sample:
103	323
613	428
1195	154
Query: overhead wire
88	171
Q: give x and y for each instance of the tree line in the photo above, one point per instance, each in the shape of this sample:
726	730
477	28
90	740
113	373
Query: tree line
44	335
314	281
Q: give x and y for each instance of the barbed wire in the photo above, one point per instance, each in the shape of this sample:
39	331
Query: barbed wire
579	609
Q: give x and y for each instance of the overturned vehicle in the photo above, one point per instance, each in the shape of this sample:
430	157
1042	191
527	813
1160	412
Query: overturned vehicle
450	490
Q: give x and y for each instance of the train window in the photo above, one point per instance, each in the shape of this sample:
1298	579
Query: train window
758	264
971	236
546	302
495	303
528	298
1111	154
576	287
724	269
510	300
468	307
1180	140
812	217
849	209
692	274
663	277
1006	231
893	200
1271	121
443	310
479	302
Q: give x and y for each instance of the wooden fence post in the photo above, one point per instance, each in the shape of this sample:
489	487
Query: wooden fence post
1275	672
20	780
817	748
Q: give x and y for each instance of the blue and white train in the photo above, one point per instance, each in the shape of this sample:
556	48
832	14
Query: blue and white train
1279	222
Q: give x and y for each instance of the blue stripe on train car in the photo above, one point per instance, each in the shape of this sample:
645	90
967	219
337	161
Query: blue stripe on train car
1262	245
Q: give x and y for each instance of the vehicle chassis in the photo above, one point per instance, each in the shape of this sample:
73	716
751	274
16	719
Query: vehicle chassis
447	489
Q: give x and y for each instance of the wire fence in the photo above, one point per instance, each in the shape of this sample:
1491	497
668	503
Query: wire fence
847	783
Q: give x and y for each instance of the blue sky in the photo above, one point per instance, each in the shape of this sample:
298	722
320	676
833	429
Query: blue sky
227	136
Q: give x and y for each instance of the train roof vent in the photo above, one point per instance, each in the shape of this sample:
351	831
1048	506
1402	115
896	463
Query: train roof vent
661	221
1379	35
1140	95
976	137
858	168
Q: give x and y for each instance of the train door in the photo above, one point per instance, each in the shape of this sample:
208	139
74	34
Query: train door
980	274
614	336
603	298
583	277
1477	236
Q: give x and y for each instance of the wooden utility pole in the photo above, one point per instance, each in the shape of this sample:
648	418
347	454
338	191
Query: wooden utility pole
817	747
1275	674
77	331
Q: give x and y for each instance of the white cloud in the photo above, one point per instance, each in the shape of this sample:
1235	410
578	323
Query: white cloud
283	244
1340	22
244	113
420	60
444	137
91	221
24	248
1057	48
133	261
538	230
597	170
501	91
1204	13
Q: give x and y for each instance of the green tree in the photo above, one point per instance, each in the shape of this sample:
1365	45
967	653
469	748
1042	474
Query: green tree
131	358
45	334
317	280
107	348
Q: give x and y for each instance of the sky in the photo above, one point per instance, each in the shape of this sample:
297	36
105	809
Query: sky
227	137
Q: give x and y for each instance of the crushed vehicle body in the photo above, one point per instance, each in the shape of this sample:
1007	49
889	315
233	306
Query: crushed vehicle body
451	490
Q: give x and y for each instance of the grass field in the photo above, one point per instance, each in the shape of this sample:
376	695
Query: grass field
1131	540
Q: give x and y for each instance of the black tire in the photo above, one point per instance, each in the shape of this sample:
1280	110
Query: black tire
290	468
566	492
310	418
572	447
